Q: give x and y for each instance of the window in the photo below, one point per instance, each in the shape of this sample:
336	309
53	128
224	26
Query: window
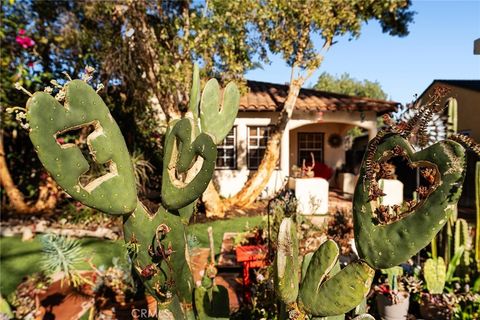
257	143
227	151
309	142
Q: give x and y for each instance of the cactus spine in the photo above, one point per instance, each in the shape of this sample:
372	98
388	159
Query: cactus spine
155	241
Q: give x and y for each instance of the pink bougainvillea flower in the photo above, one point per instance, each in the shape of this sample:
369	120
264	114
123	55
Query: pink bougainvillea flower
23	40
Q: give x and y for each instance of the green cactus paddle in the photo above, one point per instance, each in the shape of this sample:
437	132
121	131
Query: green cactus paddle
114	192
385	246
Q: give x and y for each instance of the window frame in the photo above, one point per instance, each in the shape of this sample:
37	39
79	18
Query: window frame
269	127
234	147
322	149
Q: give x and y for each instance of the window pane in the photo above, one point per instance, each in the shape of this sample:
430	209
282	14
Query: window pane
227	150
310	142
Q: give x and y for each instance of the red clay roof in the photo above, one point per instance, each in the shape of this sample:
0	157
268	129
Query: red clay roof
264	96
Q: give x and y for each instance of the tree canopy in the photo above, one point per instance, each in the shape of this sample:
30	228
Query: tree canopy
347	85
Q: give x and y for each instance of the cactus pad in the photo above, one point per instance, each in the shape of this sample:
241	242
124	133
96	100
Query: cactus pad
114	192
286	263
329	291
387	245
435	272
215	121
167	277
180	155
215	306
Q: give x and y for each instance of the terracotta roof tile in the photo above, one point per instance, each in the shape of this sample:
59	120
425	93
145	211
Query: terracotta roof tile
264	96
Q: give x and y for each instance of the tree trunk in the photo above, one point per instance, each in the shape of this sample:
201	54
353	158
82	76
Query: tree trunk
215	206
257	183
48	193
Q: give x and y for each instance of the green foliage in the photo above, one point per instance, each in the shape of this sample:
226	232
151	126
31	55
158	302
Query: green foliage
392	275
289	26
462	239
212	305
142	169
345	84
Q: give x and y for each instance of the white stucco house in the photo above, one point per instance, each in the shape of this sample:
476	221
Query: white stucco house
319	120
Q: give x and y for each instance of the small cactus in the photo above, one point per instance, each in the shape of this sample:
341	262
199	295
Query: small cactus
462	239
477	204
435	272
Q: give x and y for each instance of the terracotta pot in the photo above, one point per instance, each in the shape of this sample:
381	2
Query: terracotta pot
134	310
390	311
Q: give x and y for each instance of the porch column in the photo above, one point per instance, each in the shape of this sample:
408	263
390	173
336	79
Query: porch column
285	152
241	144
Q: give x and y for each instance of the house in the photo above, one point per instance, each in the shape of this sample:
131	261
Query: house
319	123
467	94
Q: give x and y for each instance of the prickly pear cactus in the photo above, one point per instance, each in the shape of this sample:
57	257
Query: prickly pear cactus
114	192
178	193
214	121
324	290
211	301
387	245
286	262
328	291
156	242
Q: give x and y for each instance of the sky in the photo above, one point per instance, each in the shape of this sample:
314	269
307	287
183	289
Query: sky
439	46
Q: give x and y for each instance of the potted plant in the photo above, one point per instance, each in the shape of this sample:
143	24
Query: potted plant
115	292
392	299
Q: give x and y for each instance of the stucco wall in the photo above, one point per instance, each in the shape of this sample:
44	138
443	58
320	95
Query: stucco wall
468	108
231	181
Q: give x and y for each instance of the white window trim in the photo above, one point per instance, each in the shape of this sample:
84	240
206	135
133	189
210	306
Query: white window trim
234	147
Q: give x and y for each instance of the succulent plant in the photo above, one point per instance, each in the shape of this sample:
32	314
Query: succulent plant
156	242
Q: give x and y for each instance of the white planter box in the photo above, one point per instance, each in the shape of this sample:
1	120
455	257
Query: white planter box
347	182
311	194
393	190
